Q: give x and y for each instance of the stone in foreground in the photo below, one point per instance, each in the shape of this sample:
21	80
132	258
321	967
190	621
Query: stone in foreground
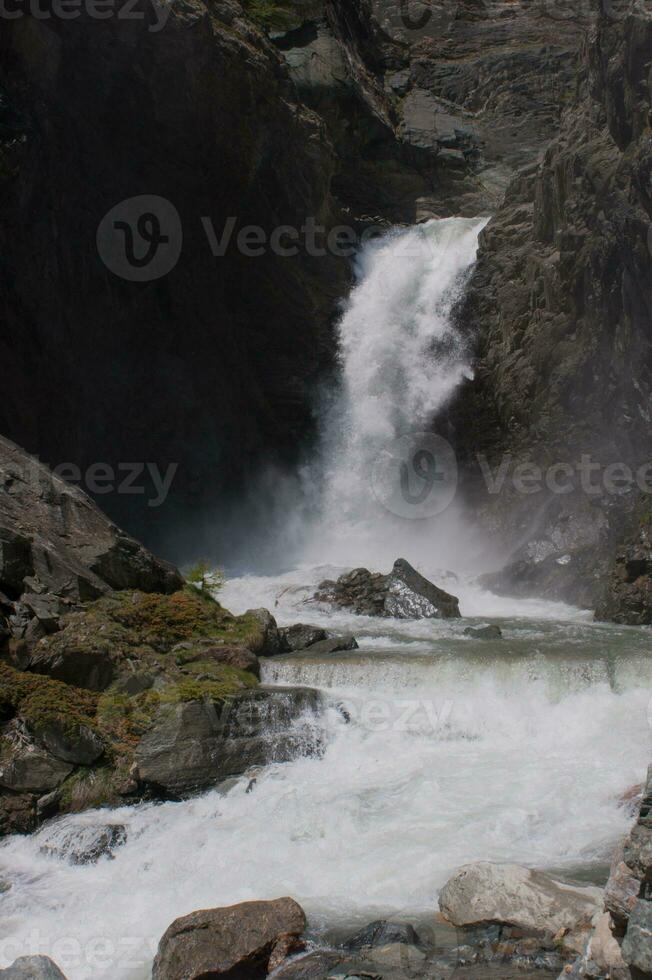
403	594
32	968
509	894
245	941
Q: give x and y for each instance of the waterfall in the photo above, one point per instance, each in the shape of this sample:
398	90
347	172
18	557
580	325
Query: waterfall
386	475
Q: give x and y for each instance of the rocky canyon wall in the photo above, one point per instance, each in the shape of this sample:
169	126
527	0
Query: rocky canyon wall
561	301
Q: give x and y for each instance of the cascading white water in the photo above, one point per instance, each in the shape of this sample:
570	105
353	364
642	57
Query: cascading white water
454	750
401	360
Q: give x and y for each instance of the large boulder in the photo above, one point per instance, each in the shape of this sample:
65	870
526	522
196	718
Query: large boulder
26	767
509	894
404	594
32	968
267	641
193	745
244	941
57	549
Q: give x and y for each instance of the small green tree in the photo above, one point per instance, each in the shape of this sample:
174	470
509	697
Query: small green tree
204	577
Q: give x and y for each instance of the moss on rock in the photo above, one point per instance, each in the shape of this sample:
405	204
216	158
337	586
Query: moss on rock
41	701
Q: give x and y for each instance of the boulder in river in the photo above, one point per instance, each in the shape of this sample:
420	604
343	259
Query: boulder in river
404	594
32	968
245	941
300	636
490	632
82	843
508	894
193	745
333	644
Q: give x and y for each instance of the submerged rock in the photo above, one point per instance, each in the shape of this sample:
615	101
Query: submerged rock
246	941
512	895
383	933
334	644
491	632
404	594
83	843
32	968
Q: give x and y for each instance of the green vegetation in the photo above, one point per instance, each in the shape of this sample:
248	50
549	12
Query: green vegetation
43	702
204	577
271	14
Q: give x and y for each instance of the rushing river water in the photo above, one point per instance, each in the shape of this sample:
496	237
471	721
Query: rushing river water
450	748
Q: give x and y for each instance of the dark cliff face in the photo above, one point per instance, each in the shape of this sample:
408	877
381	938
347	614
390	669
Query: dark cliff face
432	110
209	367
562	302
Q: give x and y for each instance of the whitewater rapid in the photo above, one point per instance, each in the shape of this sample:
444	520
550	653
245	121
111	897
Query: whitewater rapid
440	749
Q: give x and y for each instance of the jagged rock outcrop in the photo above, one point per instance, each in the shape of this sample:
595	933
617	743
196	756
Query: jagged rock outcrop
404	594
208	369
431	110
561	300
58	550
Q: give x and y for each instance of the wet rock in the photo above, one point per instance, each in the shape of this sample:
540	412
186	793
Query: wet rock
405	583
404	593
510	894
383	933
300	636
314	966
491	632
268	643
32	968
26	767
246	940
193	745
334	644
637	944
83	843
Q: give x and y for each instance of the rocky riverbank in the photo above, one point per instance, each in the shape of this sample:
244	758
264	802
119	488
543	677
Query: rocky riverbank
118	681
